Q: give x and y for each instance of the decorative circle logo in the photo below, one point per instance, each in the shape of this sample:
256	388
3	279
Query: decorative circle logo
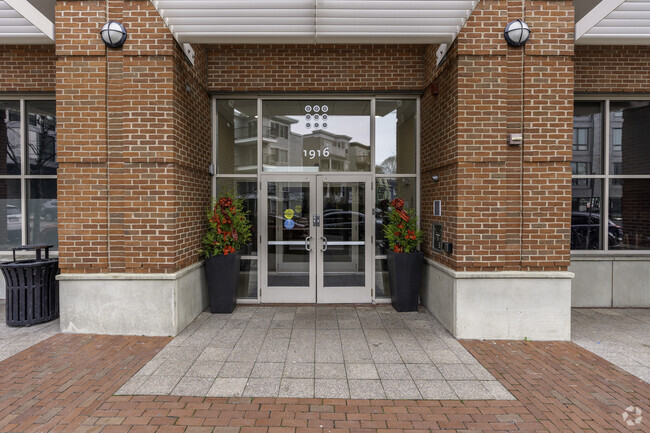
632	416
316	108
307	108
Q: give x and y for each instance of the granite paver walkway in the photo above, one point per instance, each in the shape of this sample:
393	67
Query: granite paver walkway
619	335
17	339
317	351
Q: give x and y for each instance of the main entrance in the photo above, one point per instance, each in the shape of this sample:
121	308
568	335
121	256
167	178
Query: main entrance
317	235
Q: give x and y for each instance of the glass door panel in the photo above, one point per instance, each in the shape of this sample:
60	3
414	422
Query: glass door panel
289	264
344	239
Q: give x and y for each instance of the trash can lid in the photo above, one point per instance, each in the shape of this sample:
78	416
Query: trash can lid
32	247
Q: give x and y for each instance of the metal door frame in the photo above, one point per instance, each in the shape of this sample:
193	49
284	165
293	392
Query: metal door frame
315	292
285	294
345	294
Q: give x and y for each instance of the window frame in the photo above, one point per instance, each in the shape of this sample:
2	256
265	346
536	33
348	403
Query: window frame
416	176
24	160
606	177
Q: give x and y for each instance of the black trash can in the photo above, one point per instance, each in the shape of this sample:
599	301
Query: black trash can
32	289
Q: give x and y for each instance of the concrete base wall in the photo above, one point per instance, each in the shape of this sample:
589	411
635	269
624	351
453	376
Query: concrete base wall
499	305
132	304
610	281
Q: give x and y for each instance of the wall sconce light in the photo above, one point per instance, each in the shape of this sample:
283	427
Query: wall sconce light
113	34
516	33
435	178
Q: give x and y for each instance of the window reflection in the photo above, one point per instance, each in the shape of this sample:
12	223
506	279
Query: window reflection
587	137
10	214
42	212
237	136
586	215
41	137
630	137
629	213
395	136
9	137
316	136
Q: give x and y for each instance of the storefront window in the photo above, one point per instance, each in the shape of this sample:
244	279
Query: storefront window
10	137
237	136
395	136
316	136
29	137
629	214
246	189
624	224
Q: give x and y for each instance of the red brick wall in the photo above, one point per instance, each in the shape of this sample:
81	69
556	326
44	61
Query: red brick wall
309	68
27	68
504	208
130	185
612	69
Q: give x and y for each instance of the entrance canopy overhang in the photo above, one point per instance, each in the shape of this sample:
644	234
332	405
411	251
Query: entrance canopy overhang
315	21
22	23
615	22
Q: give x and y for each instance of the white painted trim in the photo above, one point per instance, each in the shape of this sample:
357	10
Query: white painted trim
124	276
500	274
186	47
595	16
34	16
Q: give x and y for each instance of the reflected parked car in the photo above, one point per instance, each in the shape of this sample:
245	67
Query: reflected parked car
585	232
49	210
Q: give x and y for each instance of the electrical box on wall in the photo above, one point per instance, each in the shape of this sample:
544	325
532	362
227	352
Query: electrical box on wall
437	208
437	237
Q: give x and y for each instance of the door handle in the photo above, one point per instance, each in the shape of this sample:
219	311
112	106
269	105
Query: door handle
308	243
324	239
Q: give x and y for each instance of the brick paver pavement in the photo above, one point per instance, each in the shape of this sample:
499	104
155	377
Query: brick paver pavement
65	384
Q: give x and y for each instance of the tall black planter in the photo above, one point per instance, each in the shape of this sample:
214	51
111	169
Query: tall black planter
405	274
222	274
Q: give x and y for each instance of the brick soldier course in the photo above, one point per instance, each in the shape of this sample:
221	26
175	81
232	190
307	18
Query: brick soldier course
66	384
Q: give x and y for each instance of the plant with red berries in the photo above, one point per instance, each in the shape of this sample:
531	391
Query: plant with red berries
401	231
228	227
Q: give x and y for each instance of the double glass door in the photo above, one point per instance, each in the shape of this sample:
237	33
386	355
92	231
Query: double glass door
316	238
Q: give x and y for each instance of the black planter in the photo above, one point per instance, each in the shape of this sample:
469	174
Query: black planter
222	274
405	274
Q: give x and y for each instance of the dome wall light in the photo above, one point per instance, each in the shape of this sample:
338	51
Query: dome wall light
516	33
113	34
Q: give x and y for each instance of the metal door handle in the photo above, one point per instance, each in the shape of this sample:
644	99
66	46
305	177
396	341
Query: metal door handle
308	243
324	243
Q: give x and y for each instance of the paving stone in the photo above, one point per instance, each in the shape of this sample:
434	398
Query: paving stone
401	389
236	369
262	387
268	370
331	388
424	371
470	389
227	387
299	370
297	388
330	371
455	372
392	371
498	391
193	386
361	371
436	390
158	384
205	369
366	389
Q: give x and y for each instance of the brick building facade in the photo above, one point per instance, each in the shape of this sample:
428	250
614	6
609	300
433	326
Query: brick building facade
135	133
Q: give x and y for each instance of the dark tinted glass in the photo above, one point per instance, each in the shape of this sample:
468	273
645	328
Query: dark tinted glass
587	137
586	215
9	137
41	137
629	146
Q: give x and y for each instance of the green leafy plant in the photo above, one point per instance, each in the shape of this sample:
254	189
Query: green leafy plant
228	227
401	231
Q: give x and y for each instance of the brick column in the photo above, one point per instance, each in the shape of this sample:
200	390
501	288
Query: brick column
134	149
505	209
